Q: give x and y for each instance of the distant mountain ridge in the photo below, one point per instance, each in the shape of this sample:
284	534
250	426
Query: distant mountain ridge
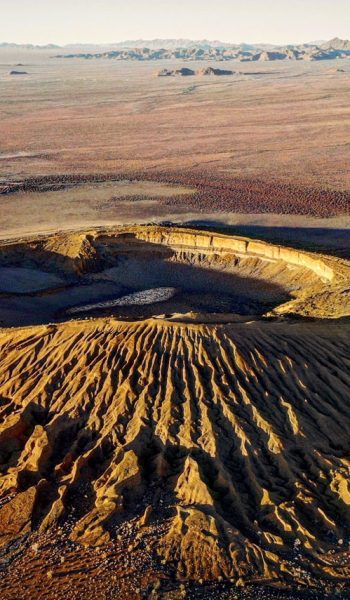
158	49
186	49
168	44
172	44
29	46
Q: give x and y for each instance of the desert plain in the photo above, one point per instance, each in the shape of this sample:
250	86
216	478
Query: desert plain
196	446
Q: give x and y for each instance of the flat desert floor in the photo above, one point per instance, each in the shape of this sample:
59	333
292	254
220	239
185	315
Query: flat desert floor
264	147
272	121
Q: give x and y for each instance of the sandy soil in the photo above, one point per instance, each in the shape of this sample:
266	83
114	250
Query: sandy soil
283	124
285	121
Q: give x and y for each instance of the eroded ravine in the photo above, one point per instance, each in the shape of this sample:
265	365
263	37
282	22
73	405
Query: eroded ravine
228	426
222	446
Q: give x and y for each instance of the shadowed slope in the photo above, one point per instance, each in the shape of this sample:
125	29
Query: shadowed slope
226	445
211	273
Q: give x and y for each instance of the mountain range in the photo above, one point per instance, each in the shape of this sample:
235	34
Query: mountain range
176	43
139	50
185	49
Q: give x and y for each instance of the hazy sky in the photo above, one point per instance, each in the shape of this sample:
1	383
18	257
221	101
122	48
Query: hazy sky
276	21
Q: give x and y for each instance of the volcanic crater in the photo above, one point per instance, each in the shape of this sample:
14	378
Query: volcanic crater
140	272
201	437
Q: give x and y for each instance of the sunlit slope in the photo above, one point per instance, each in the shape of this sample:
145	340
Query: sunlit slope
228	445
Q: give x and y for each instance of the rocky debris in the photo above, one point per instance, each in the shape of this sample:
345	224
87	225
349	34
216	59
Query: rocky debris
227	194
212	193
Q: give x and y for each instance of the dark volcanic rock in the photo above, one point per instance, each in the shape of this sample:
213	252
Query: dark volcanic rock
184	72
212	71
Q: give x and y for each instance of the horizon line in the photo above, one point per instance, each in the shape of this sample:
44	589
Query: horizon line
185	39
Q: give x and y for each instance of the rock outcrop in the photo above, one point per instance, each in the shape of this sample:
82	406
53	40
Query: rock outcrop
336	44
184	72
211	71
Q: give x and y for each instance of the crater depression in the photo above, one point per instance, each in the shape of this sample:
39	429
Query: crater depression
176	430
140	272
